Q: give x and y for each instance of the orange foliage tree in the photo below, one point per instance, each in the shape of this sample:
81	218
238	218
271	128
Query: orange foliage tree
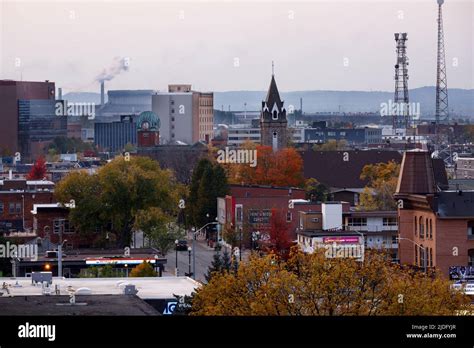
280	168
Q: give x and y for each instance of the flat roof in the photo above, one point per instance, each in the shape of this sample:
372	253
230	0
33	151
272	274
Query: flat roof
85	305
148	287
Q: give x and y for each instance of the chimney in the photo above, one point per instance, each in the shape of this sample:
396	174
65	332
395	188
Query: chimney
102	93
60	93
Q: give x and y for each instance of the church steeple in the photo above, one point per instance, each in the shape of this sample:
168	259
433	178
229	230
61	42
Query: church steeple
273	101
273	122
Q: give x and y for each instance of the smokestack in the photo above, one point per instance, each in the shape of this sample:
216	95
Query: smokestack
102	93
301	105
60	93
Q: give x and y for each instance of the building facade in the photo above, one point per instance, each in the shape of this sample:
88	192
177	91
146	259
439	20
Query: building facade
38	125
436	225
113	136
11	92
186	115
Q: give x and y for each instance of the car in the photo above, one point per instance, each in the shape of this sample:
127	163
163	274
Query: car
182	245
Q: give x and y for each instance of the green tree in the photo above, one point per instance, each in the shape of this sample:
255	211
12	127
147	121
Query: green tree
208	182
158	228
315	191
113	197
220	263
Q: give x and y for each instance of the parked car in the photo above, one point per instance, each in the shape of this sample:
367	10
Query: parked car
182	245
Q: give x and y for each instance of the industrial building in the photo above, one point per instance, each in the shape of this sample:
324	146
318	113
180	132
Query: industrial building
186	115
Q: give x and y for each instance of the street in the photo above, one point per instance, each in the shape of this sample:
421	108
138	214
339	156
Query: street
204	256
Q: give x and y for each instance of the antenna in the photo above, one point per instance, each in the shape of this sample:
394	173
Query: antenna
401	117
442	112
273	68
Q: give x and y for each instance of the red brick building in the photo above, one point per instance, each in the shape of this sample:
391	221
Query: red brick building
17	197
435	224
250	207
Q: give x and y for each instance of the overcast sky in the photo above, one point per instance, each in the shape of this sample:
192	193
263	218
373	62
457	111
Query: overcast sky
222	45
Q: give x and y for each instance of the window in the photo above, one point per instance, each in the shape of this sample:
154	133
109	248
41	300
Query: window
301	222
18	208
416	255
275	115
357	222
427	227
416	226
470	228
431	229
11	208
390	221
422	255
431	257
422	232
58	226
1	207
288	216
356	199
394	239
172	111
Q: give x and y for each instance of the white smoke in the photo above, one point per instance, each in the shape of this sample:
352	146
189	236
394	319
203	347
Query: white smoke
118	66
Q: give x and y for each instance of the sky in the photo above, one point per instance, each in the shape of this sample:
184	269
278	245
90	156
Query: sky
230	45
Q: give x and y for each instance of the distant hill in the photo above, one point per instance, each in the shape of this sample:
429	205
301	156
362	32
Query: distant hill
461	101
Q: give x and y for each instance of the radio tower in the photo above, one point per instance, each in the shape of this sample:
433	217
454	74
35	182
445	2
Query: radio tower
441	82
402	112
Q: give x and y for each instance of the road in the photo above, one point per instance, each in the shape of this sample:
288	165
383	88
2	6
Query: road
204	256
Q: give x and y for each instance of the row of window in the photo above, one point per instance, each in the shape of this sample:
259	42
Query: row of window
387	221
13	208
423	227
420	256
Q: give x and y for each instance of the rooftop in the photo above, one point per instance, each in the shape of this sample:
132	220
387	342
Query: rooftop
85	305
148	288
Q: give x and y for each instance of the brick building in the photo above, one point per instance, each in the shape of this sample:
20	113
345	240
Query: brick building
436	226
250	208
17	198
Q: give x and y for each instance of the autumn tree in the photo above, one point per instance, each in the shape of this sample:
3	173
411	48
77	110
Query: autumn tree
111	199
280	168
310	284
382	183
144	269
38	171
279	241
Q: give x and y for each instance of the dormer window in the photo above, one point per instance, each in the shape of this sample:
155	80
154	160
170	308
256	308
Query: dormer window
275	115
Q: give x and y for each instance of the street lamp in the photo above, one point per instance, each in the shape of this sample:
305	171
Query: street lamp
176	248
425	265
60	258
189	258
